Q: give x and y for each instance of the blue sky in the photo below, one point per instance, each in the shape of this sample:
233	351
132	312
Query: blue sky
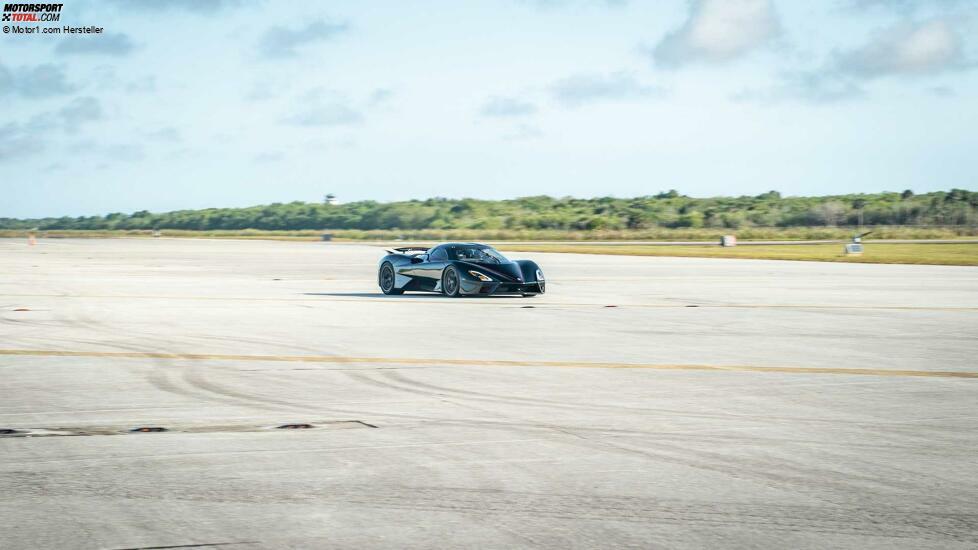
187	104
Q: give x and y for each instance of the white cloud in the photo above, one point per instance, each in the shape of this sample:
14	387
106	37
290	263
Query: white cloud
42	80
321	107
718	31
144	85
523	132
908	49
580	89
79	111
329	114
498	106
167	133
36	134
380	96
113	44
809	87
928	47
905	6
280	42
562	4
267	157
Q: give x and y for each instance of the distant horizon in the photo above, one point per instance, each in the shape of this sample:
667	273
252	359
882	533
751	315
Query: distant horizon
558	197
669	209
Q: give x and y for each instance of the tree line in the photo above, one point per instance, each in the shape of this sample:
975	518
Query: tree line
669	210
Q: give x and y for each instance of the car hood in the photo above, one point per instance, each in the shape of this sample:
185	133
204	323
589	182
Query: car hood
509	272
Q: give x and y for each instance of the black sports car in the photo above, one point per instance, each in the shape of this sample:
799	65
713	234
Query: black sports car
458	269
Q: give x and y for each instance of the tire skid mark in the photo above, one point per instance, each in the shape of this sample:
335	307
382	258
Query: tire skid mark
401	381
489	363
778	470
196	377
930	523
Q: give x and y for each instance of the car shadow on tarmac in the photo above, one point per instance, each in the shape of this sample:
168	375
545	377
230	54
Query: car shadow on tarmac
382	296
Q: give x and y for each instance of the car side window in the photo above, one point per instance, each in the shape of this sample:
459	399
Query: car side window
438	255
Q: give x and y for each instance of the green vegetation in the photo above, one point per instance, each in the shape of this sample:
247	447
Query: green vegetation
879	253
640	217
710	235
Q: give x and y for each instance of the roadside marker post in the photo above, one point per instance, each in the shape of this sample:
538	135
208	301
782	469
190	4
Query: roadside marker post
855	248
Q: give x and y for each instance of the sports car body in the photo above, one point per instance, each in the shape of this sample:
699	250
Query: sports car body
458	269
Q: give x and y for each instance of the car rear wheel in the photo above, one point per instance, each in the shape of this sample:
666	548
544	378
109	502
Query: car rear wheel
450	284
387	280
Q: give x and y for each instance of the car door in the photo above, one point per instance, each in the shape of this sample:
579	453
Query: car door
431	270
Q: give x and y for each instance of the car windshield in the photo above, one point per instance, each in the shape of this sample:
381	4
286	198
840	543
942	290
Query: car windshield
477	254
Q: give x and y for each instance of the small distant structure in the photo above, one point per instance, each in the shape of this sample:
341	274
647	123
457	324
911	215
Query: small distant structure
327	236
855	248
728	240
331	199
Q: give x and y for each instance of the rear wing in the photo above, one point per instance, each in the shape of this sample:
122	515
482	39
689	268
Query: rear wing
409	250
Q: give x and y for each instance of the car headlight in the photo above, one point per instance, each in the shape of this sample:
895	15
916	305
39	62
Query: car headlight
540	275
481	276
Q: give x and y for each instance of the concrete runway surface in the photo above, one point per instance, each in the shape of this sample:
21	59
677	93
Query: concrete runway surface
719	404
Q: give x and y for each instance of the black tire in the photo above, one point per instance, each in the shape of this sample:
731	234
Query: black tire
451	285
386	280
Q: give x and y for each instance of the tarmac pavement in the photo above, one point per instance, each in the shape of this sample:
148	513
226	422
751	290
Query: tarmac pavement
641	403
